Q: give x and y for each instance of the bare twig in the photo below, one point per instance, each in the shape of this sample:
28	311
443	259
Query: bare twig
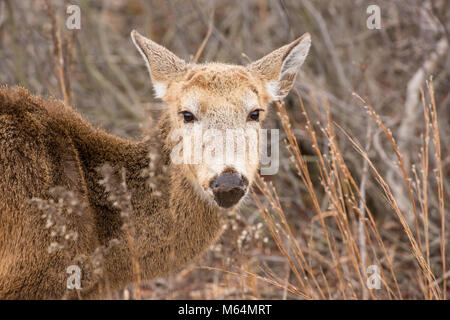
205	40
59	56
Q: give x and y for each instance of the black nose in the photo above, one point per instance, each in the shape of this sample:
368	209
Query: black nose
228	188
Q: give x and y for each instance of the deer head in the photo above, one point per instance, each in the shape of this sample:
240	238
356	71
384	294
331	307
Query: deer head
212	104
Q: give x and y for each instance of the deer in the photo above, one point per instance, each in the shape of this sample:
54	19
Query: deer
45	143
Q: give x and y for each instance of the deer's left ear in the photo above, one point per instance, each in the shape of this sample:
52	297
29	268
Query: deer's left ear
163	65
279	69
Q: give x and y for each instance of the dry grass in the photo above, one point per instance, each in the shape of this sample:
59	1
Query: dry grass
347	211
362	181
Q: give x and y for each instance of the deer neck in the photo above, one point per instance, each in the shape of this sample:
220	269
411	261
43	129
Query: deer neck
172	224
186	224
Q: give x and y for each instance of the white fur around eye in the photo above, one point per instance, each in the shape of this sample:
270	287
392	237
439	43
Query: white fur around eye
190	103
250	101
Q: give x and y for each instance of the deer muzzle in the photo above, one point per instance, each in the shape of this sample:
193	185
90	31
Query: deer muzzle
228	188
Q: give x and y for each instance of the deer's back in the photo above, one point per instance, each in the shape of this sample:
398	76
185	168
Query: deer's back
36	154
36	151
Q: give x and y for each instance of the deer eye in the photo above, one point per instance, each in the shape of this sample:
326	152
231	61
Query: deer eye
188	117
254	115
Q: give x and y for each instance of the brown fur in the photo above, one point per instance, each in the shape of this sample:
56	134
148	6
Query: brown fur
44	144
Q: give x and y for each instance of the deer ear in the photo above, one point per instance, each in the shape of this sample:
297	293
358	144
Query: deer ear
163	65
279	69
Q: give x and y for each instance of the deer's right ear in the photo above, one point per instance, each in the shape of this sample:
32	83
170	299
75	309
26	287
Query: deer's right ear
279	68
163	65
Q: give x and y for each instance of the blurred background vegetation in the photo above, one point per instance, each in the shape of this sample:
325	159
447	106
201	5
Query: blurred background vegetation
105	79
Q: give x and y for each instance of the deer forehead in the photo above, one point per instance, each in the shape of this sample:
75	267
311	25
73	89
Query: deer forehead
218	89
202	102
